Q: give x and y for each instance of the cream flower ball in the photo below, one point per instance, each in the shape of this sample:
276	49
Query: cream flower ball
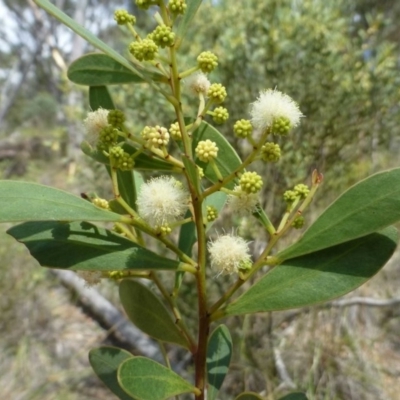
271	105
229	253
162	200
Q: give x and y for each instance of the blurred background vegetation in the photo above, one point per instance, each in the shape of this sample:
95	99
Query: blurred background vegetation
339	60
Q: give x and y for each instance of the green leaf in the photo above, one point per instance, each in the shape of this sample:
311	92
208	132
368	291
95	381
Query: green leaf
187	236
148	313
88	36
192	7
227	160
249	396
219	352
105	361
127	187
294	396
145	379
367	207
318	277
99	97
84	246
96	69
142	162
23	201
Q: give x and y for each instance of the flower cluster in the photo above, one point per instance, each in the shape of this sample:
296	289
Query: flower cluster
250	182
207	61
276	107
206	150
175	131
162	200
198	83
122	17
243	202
177	6
220	115
145	50
243	128
270	152
155	136
229	254
120	159
163	36
217	93
95	122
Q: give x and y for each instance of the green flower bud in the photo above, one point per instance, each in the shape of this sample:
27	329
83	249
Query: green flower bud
175	131
302	190
116	275
116	118
163	36
245	265
298	222
207	61
220	115
144	50
206	150
200	171
243	128
120	159
177	6
155	136
164	229
145	4
212	213
122	17
107	137
270	152
281	126
101	203
250	182
217	92
290	196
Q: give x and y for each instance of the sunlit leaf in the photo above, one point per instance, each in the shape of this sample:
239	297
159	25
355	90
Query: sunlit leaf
318	277
145	379
105	362
99	97
148	313
96	69
367	207
24	201
219	352
84	246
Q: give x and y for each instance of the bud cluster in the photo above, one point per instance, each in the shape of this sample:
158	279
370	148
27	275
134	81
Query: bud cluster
251	182
155	136
120	159
206	150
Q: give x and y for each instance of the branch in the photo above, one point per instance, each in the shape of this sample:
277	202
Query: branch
364	301
351	301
